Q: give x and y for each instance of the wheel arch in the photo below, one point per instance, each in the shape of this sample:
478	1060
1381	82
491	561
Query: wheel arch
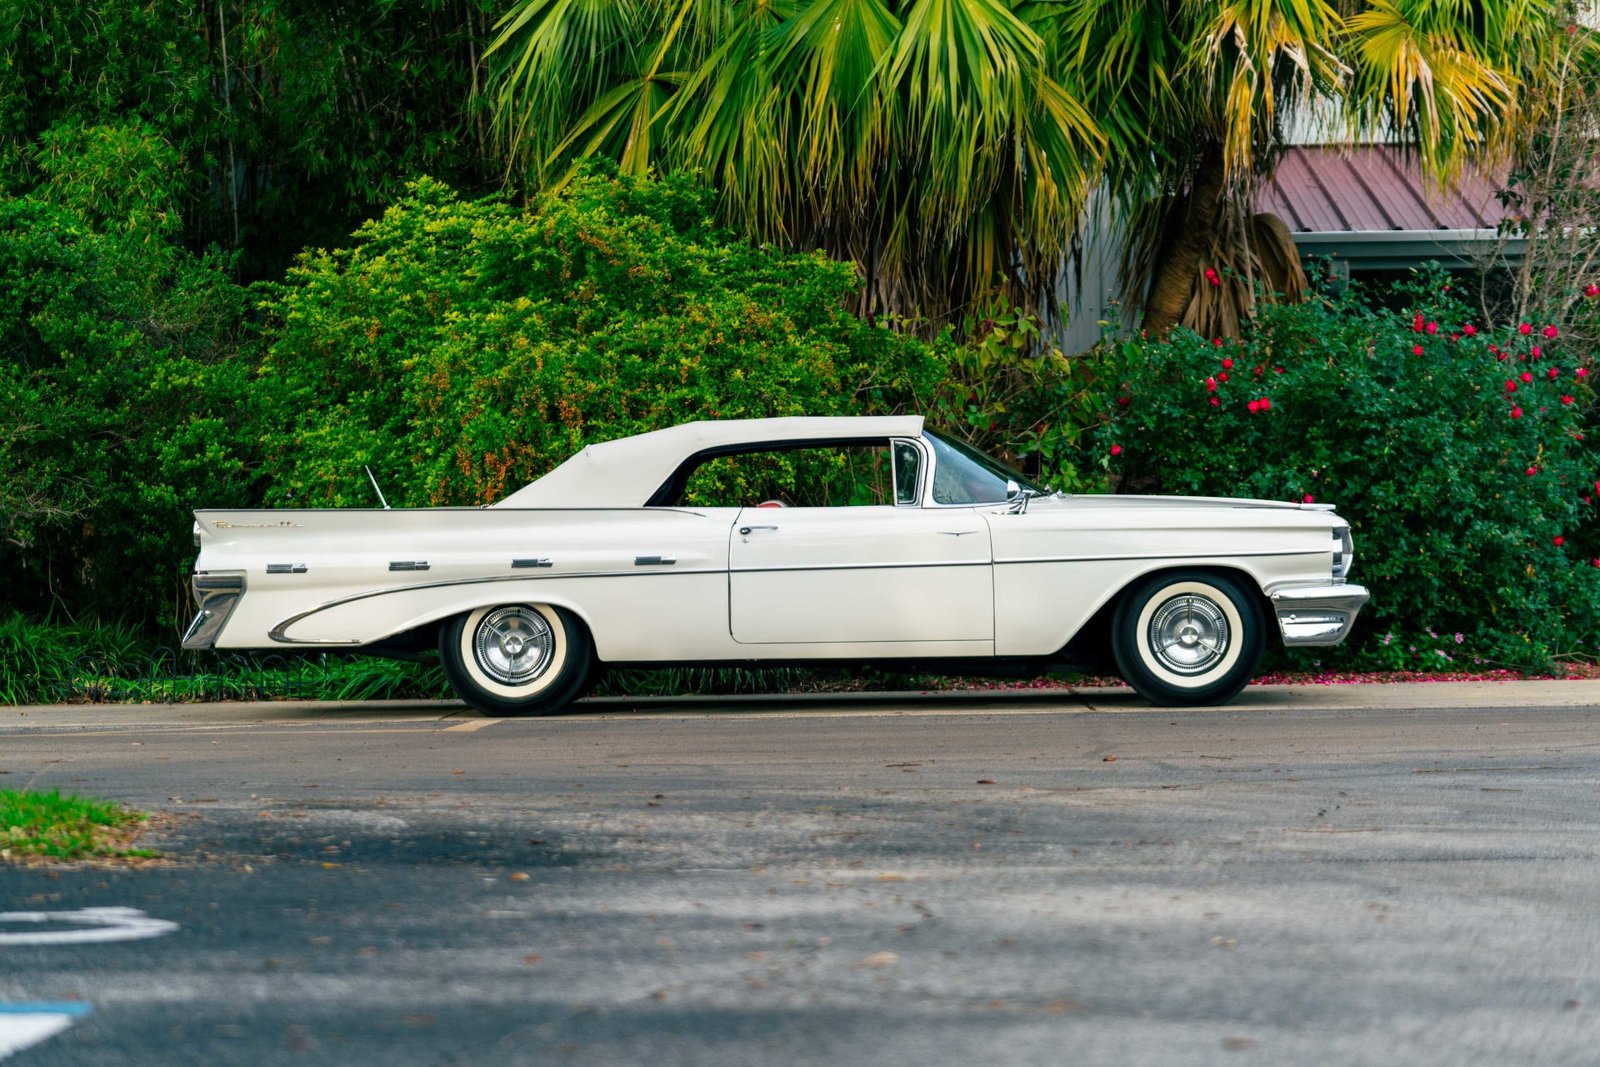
1094	635
424	610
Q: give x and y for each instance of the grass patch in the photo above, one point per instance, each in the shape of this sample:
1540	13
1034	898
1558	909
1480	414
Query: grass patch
54	662
53	826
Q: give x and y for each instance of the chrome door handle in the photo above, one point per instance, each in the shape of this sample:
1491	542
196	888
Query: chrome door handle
745	530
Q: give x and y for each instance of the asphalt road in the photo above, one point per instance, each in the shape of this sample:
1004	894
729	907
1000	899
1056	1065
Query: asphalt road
928	881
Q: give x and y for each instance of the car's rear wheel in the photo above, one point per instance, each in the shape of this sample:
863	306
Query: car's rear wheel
516	659
1188	638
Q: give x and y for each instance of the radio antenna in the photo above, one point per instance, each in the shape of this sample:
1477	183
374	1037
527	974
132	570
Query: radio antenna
375	488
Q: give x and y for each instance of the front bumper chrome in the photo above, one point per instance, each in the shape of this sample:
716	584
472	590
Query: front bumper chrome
215	595
1316	614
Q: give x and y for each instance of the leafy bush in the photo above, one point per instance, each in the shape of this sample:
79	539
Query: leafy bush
124	364
1010	393
1460	458
288	122
463	347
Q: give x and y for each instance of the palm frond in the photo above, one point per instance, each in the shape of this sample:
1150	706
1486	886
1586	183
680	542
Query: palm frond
1447	90
587	41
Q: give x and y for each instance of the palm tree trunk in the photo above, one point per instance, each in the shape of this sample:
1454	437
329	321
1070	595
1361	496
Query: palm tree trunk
1189	227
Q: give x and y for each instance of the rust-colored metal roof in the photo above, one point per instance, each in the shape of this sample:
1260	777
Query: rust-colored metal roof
1329	189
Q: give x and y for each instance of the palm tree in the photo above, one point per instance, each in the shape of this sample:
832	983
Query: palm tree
924	139
1194	96
948	146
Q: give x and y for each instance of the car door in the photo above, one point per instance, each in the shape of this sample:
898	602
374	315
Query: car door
862	575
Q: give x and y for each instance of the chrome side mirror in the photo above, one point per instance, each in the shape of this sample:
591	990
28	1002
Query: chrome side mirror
1016	497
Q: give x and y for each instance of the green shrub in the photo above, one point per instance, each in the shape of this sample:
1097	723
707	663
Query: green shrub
124	365
1471	491
1010	393
463	347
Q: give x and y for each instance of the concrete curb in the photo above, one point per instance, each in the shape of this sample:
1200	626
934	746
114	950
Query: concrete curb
1544	693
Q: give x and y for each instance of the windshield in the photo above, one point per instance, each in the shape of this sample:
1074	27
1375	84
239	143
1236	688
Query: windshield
963	475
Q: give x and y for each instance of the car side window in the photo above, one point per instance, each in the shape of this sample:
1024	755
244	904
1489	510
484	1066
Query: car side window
815	476
907	463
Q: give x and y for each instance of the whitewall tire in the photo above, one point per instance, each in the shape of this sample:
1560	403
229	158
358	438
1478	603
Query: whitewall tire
516	659
1188	637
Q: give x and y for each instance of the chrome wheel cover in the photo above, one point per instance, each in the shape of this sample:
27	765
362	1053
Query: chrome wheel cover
1189	634
513	645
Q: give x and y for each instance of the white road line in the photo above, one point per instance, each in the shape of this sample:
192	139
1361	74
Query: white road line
25	1025
93	925
470	725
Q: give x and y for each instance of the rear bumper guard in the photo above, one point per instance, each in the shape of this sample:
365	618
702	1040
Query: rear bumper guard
215	597
1317	614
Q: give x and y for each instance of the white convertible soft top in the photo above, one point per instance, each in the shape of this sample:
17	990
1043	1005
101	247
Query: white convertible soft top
624	473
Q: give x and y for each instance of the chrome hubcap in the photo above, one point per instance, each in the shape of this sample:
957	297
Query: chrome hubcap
513	645
1189	634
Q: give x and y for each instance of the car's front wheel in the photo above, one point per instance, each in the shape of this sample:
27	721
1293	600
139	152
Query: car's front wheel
1188	638
516	659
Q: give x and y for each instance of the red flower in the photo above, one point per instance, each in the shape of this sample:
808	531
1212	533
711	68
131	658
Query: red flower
1591	289
1525	329
1124	401
1532	471
1551	332
1222	375
1254	406
1569	400
1456	336
1554	373
1431	328
1211	385
1511	386
1266	404
1470	330
1227	362
1416	323
1559	541
1582	372
1416	350
1310	499
1116	450
1526	376
1516	413
1215	402
1536	351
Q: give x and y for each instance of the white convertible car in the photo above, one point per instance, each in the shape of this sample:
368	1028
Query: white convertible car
784	541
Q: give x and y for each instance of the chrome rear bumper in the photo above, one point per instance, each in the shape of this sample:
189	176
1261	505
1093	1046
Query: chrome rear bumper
1316	614
215	595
